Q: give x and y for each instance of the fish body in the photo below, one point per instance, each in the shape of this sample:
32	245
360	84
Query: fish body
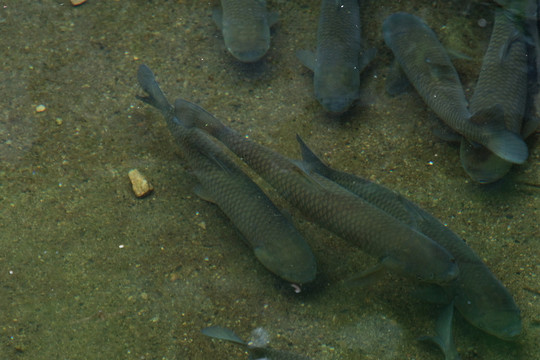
396	245
477	294
503	81
428	68
245	25
275	241
337	63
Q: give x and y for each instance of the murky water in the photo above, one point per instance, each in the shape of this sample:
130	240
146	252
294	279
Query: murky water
89	271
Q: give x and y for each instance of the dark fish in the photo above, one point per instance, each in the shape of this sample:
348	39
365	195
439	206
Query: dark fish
275	241
428	68
245	25
476	293
395	244
503	81
257	347
338	62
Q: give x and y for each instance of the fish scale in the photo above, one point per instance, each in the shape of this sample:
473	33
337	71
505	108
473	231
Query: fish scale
276	242
478	295
428	68
396	245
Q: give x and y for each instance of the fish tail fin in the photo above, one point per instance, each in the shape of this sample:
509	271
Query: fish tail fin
192	115
155	96
505	144
444	338
310	161
508	146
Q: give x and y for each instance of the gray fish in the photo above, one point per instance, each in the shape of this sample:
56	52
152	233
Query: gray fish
476	293
338	62
428	68
396	245
503	81
275	241
257	346
245	25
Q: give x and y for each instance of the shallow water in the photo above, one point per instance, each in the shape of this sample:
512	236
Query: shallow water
89	271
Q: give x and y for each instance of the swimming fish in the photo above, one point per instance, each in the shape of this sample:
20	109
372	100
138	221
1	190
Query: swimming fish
477	294
275	241
245	25
503	81
428	68
257	347
339	60
395	245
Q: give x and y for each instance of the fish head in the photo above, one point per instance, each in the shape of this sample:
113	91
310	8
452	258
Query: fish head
336	105
293	263
488	305
247	43
337	89
428	262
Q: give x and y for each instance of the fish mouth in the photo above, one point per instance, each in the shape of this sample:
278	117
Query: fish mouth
249	55
336	106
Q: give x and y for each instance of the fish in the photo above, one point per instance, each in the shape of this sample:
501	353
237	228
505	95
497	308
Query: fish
503	81
257	347
276	243
339	58
428	68
396	246
245	25
477	294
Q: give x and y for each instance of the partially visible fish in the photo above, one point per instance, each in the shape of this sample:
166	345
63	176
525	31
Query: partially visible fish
257	346
477	294
275	241
428	68
394	244
503	81
245	25
338	62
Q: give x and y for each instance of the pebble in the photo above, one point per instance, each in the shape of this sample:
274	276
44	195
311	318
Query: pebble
41	108
77	2
141	186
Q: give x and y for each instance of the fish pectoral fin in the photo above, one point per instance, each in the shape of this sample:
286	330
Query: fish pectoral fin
203	194
272	18
529	126
310	161
440	71
221	333
307	58
397	82
367	277
443	131
443	337
365	58
217	16
516	36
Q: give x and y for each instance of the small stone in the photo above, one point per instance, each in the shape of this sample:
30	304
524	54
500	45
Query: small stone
77	2
41	108
141	186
